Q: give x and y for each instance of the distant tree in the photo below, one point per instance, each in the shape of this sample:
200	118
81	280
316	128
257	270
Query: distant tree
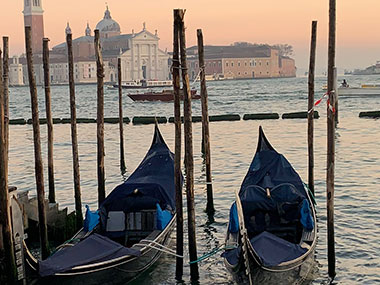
284	49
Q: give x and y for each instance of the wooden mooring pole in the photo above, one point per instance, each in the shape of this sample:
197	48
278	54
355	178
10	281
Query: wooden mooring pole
37	147
122	161
49	119
100	119
205	124
194	273
10	271
310	115
74	135
177	152
331	141
6	93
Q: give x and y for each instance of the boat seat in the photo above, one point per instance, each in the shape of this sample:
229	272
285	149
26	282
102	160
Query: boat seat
283	222
139	225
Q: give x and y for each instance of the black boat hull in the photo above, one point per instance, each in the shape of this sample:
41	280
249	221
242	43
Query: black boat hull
299	274
118	272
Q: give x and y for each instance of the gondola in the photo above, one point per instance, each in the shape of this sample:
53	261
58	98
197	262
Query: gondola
271	235
127	234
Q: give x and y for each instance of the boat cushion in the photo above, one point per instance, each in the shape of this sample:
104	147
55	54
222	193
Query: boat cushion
273	250
232	255
95	248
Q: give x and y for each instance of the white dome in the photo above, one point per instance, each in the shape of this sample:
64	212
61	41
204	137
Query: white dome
107	24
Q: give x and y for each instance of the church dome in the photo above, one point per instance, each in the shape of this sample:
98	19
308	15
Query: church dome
107	24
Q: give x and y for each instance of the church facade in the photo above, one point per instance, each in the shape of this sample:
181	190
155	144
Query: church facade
141	58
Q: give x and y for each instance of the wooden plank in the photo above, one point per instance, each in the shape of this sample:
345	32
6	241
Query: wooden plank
205	124
37	147
189	160
100	118
121	130
311	113
74	135
177	152
49	119
330	176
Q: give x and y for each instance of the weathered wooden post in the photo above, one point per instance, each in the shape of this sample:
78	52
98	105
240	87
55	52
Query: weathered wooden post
177	152
6	93
188	151
310	115
49	120
122	161
336	95
100	119
5	215
37	147
205	124
74	135
331	141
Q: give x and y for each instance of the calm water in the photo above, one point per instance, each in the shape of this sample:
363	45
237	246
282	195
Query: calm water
357	215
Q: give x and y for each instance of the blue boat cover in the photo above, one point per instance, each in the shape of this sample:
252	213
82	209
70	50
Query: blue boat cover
152	182
232	255
95	248
273	250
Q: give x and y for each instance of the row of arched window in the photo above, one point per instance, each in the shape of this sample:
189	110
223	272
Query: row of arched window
35	2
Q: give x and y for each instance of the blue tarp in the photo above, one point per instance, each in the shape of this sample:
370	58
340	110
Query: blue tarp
95	248
91	219
273	250
233	225
306	218
152	182
163	218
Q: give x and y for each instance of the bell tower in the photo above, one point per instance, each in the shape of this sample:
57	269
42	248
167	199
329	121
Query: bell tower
33	17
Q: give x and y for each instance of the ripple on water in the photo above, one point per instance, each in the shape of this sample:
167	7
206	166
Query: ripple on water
232	146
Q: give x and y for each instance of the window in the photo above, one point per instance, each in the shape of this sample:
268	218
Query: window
238	63
226	63
245	63
232	64
267	62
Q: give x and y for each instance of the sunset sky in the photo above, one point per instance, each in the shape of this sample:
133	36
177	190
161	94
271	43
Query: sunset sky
223	22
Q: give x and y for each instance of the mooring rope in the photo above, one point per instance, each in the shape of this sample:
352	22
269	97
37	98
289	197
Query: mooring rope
212	252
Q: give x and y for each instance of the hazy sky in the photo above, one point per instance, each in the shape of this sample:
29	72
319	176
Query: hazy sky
222	22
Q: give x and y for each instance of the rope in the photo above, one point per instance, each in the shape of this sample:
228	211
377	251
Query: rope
158	244
162	249
211	253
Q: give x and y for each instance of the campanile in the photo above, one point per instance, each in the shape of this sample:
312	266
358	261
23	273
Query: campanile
33	17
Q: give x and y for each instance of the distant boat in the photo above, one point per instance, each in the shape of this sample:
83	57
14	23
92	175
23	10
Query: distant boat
362	90
145	84
165	95
271	234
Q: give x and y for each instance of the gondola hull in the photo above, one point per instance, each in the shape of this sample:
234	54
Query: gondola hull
120	271
128	233
300	273
271	236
